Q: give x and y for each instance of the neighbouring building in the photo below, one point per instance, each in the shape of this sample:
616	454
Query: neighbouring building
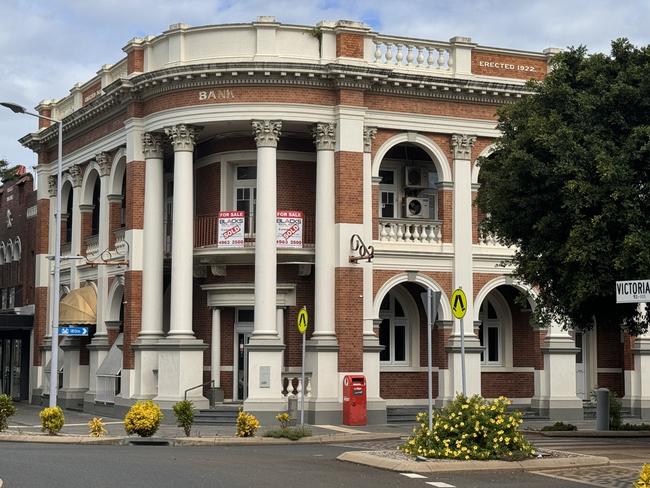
219	178
18	235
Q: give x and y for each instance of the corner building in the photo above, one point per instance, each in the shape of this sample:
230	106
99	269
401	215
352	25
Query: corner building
364	140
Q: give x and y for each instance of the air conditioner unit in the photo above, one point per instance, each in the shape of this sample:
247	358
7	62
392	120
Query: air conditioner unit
415	177
416	208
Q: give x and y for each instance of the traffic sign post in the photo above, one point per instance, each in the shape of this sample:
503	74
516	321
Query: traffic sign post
459	308
303	321
432	299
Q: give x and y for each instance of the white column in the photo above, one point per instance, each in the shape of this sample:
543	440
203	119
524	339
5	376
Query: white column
267	134
104	162
182	138
75	247
215	356
325	246
152	269
50	249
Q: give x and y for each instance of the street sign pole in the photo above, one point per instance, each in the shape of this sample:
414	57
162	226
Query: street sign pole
429	375
458	309
462	356
303	320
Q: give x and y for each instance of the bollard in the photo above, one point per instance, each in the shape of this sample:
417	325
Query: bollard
292	409
602	409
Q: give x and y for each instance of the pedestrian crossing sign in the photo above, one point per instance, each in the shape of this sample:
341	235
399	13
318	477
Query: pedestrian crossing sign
458	303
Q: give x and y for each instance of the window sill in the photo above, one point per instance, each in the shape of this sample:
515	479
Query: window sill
394	368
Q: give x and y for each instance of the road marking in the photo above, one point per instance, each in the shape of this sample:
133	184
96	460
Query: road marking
440	484
66	425
413	475
338	428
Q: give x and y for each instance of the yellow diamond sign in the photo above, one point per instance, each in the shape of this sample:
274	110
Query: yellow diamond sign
458	303
303	320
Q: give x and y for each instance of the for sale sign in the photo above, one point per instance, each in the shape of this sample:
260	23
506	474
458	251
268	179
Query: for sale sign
289	228
231	228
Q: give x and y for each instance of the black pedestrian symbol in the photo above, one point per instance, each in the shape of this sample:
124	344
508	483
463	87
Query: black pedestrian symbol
458	303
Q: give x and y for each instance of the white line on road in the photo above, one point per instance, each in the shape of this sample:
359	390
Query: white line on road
338	428
412	475
440	484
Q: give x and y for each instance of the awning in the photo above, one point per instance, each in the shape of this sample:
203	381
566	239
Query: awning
79	307
112	364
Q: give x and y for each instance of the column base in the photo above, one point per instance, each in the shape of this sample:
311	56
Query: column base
98	349
559	409
265	374
322	355
180	368
147	350
450	381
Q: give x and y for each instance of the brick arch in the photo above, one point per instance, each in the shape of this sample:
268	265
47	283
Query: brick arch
499	281
115	299
91	176
434	151
484	153
118	169
425	281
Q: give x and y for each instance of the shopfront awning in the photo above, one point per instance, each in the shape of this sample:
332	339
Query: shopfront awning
112	364
79	307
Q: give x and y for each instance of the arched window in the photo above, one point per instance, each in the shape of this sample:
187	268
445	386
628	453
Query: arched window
69	223
490	334
9	251
393	331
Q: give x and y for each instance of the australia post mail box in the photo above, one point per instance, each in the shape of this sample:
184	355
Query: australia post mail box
354	400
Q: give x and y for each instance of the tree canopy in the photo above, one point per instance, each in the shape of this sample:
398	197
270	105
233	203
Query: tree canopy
569	184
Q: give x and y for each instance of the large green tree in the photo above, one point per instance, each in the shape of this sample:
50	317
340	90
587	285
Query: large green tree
569	184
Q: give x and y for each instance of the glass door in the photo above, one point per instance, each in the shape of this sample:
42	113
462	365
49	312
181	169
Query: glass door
10	360
580	366
242	365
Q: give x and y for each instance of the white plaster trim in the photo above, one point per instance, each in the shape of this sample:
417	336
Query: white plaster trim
113	309
87	187
388	368
118	169
609	370
425	281
88	152
251	155
243	295
430	147
499	281
506	369
475	169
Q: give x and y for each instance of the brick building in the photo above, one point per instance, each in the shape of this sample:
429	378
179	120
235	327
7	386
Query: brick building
17	238
223	177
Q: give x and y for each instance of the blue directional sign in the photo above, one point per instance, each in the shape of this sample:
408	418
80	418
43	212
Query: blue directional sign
73	331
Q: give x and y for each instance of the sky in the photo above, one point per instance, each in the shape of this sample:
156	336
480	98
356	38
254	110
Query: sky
47	46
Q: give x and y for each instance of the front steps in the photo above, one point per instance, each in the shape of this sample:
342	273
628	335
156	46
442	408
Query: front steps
224	414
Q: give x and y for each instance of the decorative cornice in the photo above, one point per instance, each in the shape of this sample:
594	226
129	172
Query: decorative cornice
266	132
183	136
152	145
462	146
76	174
104	162
369	134
51	185
324	136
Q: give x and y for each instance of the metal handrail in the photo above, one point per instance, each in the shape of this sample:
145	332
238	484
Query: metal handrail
211	382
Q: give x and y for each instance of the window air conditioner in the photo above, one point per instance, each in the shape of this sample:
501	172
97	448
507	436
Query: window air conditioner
416	208
415	177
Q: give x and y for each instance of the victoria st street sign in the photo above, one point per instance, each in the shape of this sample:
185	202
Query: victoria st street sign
633	291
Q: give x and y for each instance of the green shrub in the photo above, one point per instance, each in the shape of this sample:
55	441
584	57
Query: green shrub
7	409
247	424
52	420
627	426
559	427
184	411
284	418
644	477
96	427
143	419
470	428
291	433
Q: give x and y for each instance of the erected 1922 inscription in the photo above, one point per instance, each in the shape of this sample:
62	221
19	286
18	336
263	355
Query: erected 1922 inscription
224	94
508	66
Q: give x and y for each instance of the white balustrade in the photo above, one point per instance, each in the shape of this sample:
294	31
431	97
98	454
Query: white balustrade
121	246
488	239
92	247
292	385
410	231
412	53
64	107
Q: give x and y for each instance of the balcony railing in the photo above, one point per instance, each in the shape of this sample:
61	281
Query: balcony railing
206	229
92	247
292	385
410	231
398	52
121	245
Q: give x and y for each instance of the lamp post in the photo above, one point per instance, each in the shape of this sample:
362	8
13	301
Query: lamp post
54	373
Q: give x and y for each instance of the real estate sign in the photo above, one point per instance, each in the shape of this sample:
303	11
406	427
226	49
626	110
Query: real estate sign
289	228
231	228
633	291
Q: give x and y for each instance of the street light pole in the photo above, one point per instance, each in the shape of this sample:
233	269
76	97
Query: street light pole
54	368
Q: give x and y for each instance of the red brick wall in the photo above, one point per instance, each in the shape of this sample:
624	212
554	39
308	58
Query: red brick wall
135	194
349	318
526	341
208	189
135	61
375	101
479	57
114	212
380	276
512	385
40	322
406	385
350	97
628	357
132	315
86	229
296	182
612	381
349	45
349	187
610	347
446	214
42	226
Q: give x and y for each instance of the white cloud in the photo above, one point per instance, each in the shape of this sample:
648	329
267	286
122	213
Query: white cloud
46	47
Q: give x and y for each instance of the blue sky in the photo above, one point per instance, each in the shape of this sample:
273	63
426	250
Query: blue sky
47	46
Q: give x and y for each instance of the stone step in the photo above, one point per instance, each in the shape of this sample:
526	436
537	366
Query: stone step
218	415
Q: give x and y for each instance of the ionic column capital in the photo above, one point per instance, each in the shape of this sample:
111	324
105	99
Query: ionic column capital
462	146
183	136
324	136
152	145
266	132
104	162
369	134
51	185
76	174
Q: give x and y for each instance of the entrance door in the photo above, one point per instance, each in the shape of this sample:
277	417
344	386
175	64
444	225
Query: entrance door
243	331
10	360
581	390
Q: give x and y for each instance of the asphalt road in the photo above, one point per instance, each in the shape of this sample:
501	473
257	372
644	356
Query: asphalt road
315	466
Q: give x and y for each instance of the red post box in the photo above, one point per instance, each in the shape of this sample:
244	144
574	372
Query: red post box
354	400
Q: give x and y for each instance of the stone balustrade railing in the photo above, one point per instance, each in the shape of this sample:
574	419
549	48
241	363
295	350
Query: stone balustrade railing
410	231
92	247
488	239
292	385
411	53
121	246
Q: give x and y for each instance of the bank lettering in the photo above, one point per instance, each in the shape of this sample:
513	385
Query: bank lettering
225	94
507	66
